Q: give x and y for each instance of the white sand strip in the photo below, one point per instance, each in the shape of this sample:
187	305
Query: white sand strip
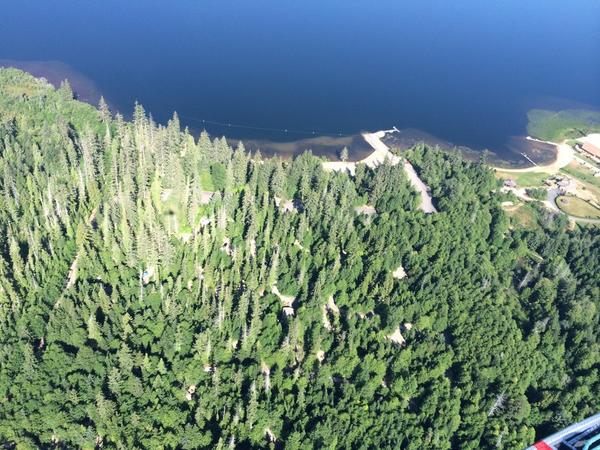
564	155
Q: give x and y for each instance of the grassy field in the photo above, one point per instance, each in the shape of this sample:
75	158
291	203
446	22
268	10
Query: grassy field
524	179
577	207
581	173
557	126
588	159
523	215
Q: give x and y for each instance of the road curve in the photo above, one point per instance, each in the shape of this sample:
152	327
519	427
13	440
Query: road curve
380	154
550	202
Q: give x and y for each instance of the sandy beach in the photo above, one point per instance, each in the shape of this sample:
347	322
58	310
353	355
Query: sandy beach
375	158
564	155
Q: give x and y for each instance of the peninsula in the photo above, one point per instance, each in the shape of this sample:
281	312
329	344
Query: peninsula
381	154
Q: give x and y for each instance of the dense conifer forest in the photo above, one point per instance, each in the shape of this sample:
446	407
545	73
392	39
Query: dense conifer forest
164	290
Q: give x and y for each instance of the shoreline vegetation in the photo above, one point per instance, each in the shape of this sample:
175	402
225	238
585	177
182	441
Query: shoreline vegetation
55	72
564	155
567	124
548	129
558	126
546	126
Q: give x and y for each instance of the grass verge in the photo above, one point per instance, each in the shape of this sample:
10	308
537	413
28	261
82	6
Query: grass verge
524	179
577	207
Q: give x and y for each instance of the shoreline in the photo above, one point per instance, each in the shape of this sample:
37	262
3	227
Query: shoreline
564	156
380	153
55	71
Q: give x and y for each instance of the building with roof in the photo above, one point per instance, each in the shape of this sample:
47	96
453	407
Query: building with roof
590	149
567	186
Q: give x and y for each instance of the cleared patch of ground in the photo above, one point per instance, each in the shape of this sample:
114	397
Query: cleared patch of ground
523	215
396	337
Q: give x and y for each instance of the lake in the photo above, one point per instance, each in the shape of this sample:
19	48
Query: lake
464	72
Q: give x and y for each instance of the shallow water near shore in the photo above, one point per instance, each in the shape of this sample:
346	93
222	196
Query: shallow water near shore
463	73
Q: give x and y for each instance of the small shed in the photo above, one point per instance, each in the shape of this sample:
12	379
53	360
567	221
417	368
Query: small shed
147	275
591	149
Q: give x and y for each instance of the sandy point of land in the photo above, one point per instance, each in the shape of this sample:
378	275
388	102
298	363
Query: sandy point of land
380	154
564	155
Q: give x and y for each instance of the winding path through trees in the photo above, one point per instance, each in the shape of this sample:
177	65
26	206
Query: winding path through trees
72	274
380	153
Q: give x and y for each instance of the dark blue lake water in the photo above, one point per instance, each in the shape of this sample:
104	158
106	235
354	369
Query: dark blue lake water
465	71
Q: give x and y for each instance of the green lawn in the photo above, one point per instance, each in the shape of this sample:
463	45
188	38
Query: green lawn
588	159
577	207
524	179
582	173
584	176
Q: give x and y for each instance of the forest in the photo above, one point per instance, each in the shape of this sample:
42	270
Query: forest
164	290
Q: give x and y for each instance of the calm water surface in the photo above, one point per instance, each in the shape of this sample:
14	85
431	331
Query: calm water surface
465	71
